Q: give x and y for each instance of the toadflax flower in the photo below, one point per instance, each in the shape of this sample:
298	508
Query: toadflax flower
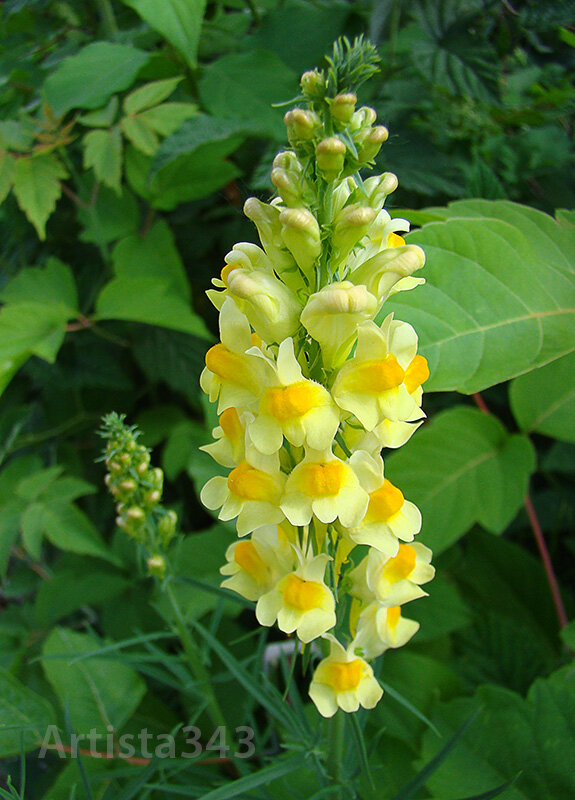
310	385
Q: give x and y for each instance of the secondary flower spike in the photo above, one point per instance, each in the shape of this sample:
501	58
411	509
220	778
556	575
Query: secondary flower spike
312	378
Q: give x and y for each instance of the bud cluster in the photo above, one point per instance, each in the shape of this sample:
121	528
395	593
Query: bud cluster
137	487
312	379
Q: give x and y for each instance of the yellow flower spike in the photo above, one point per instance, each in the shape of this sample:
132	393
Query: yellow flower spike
251	492
371	385
333	315
255	565
380	628
325	486
342	680
295	407
300	602
232	376
389	516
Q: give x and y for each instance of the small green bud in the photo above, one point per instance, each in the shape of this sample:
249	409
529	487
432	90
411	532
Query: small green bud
157	565
142	467
330	156
167	527
125	459
136	513
153	497
372	145
313	84
128	485
343	107
301	125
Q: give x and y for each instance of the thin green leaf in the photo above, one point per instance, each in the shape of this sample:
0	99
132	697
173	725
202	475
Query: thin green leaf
410	789
410	707
362	750
492	792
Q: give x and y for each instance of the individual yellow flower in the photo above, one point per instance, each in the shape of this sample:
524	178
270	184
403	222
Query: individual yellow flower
326	486
390	270
293	406
229	449
393	580
256	564
271	308
333	315
300	602
232	376
380	628
343	680
252	492
389	516
383	380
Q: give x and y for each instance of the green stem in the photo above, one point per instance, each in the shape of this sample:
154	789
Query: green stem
336	731
194	658
108	18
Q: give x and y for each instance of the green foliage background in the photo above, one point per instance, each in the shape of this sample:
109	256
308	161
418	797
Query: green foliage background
131	132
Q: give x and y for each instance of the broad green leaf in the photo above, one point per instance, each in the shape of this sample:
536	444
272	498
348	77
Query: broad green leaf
168	117
52	285
150	95
543	401
70	529
32	525
150	300
198	132
7	168
534	737
39	303
38	482
151	256
37	187
97	691
16	135
110	217
103	152
171	357
179	21
141	135
101	117
480	474
73	588
245	85
89	78
186	178
24	716
499	296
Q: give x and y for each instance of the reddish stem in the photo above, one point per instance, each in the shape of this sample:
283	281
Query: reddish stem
547	564
63	748
539	539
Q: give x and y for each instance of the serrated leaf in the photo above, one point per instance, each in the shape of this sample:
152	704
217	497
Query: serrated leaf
179	21
70	529
101	117
150	300
110	217
168	117
103	152
24	716
52	285
500	294
36	484
37	187
141	135
151	256
33	524
97	691
481	476
89	78
7	168
544	400
150	95
245	85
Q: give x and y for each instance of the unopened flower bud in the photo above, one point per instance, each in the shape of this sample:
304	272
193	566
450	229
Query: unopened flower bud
372	145
301	234
135	513
313	84
167	527
271	307
125	459
266	218
128	485
330	156
379	187
333	315
343	107
301	125
153	497
350	226
287	188
157	566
